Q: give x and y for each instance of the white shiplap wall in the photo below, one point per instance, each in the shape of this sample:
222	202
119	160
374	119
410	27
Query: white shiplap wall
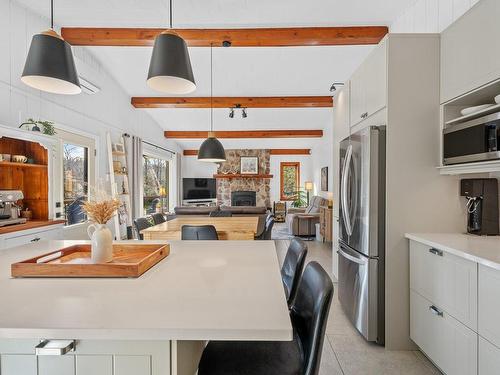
92	115
430	16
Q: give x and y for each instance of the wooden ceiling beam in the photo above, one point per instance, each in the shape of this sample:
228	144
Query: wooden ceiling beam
254	37
187	134
273	151
228	102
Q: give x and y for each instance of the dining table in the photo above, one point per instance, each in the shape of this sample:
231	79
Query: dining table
228	228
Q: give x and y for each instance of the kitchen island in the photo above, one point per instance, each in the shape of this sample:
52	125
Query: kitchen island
155	324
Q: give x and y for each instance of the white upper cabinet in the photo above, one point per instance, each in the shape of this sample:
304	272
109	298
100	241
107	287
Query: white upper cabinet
369	85
470	56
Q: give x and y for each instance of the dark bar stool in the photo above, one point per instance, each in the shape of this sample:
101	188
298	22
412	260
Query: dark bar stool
158	218
199	232
292	268
302	356
142	223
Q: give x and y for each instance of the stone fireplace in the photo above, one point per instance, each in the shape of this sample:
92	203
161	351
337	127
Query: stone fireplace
259	186
243	198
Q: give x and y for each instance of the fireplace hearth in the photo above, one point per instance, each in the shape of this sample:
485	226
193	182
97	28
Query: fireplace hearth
243	198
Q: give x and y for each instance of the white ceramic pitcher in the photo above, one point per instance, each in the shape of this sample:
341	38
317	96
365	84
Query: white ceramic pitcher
102	243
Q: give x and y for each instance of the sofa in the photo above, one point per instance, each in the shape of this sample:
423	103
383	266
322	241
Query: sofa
261	212
302	221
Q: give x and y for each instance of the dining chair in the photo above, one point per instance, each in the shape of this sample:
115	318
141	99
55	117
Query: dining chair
142	223
199	232
292	267
269	228
221	213
302	356
158	218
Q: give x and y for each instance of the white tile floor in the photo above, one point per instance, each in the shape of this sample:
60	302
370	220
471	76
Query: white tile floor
345	351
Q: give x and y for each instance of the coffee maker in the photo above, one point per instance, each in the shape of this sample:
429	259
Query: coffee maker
9	211
482	205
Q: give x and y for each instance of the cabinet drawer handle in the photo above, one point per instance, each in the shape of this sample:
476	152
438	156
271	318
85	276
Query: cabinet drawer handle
436	311
55	347
436	251
36	239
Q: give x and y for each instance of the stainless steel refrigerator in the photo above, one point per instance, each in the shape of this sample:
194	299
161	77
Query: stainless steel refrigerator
361	247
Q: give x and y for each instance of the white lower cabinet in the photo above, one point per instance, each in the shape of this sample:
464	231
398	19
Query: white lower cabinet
454	311
445	279
489	358
53	232
91	357
450	344
489	304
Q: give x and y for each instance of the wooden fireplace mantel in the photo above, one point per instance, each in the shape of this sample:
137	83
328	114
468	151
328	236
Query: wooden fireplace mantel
231	176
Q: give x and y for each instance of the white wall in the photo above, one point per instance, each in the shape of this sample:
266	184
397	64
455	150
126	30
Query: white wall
322	156
430	16
93	115
192	168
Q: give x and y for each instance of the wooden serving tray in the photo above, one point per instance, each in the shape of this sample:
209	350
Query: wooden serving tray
129	260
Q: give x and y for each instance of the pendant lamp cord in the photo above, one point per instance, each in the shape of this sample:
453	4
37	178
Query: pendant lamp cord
171	11
52	14
211	89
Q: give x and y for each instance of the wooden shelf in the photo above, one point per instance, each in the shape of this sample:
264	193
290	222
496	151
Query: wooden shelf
118	153
243	176
21	165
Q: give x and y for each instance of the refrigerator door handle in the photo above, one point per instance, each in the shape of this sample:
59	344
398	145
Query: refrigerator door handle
346	211
351	258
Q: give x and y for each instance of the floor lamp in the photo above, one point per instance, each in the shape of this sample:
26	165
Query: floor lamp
308	185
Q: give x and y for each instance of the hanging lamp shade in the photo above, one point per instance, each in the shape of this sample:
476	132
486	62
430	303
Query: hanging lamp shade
170	67
211	150
50	66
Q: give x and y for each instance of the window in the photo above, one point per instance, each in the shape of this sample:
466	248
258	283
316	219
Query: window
77	174
156	184
289	180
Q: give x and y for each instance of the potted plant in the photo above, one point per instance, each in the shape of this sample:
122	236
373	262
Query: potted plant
300	199
47	126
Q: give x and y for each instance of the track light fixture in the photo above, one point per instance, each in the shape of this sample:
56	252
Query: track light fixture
334	85
244	113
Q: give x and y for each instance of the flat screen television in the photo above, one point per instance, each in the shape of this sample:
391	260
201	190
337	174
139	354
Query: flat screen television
198	188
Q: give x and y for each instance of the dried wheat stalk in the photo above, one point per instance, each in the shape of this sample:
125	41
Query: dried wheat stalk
100	212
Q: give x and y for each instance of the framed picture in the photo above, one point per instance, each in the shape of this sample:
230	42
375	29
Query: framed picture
324	179
249	165
118	147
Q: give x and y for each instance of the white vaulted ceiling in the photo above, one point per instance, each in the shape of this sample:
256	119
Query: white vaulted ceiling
265	71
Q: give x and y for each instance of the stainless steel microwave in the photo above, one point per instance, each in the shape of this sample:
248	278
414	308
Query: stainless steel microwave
472	141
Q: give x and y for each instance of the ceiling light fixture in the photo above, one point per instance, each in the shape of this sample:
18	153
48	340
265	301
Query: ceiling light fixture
49	65
211	150
170	66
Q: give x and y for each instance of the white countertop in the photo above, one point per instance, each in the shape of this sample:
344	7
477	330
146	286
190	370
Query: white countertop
204	290
481	249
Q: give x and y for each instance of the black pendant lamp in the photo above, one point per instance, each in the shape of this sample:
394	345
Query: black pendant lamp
50	66
170	67
211	149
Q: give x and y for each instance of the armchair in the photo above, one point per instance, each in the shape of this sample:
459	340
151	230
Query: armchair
298	224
